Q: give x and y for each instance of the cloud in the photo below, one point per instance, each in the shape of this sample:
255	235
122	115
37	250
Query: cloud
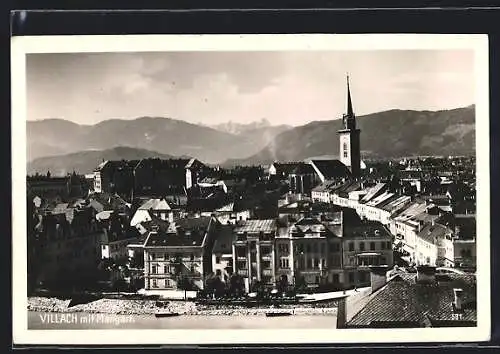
214	87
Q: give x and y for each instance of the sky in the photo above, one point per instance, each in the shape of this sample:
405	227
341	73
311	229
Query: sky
214	87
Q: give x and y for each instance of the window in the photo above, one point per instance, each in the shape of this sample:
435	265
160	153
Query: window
351	246
362	246
336	279
166	269
192	256
154	269
389	245
283	248
155	283
316	263
344	148
217	260
372	246
284	263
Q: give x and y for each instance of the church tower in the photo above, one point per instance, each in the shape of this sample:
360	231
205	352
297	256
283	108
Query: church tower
350	154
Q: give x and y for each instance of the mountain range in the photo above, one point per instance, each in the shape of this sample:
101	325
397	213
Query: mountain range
60	145
51	137
387	134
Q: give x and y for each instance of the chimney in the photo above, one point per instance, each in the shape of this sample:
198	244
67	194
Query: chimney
341	313
378	277
457	303
426	274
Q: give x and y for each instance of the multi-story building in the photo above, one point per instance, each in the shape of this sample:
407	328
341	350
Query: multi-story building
222	255
310	252
181	256
156	177
405	226
48	186
333	249
68	243
117	235
254	251
364	245
115	177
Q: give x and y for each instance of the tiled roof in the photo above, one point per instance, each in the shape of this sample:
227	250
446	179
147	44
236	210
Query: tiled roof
331	169
410	212
396	203
184	232
345	188
160	164
434	233
373	191
155	204
303	169
369	229
286	168
194	163
380	199
256	226
326	186
403	300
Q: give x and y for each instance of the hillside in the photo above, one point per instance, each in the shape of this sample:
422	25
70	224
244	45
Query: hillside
386	134
85	161
167	136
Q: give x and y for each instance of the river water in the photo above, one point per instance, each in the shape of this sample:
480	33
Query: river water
82	320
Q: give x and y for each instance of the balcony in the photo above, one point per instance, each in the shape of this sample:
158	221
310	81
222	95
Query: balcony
241	258
368	259
267	272
266	257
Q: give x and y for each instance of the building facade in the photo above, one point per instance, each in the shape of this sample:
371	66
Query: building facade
254	251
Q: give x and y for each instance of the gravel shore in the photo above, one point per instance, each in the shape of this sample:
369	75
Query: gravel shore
145	307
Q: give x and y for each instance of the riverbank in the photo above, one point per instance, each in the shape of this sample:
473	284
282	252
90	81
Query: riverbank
149	307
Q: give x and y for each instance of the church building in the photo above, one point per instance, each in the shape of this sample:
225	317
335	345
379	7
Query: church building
350	154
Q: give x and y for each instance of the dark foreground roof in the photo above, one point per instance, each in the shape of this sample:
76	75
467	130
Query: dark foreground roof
403	302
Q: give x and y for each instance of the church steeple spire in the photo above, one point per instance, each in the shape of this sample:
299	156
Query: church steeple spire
349	118
350	112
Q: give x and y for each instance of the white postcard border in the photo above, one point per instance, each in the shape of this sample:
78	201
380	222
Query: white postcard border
142	43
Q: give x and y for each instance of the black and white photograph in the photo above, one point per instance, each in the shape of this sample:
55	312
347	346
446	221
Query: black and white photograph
257	188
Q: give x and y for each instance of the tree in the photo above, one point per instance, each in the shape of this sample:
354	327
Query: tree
300	282
282	284
236	285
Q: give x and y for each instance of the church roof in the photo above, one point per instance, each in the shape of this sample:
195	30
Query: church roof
331	169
